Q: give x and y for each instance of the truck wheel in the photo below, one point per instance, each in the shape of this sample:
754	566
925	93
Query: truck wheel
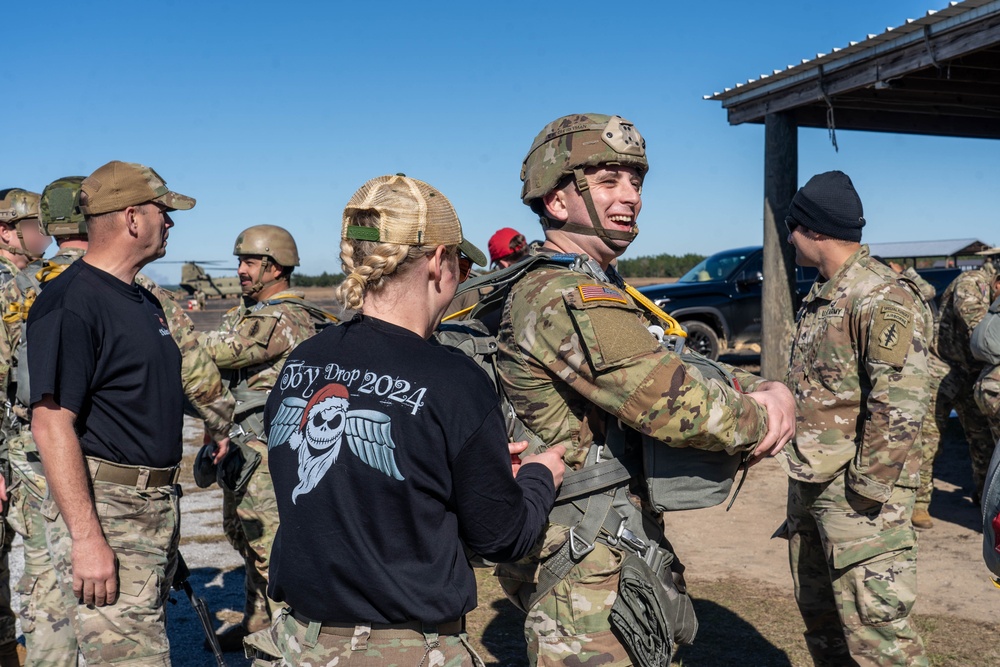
702	339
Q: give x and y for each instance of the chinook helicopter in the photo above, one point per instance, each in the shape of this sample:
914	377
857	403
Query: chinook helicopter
195	279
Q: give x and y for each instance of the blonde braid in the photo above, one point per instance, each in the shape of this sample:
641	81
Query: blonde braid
379	262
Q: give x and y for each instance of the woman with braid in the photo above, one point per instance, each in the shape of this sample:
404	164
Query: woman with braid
389	455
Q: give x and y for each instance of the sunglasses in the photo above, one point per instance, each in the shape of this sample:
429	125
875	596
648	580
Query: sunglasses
464	268
791	225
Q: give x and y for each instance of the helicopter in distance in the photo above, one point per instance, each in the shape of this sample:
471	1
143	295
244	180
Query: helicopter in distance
195	279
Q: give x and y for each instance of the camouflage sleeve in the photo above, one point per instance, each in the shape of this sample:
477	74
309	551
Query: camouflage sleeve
10	331
199	375
927	291
593	337
748	381
971	301
893	350
259	337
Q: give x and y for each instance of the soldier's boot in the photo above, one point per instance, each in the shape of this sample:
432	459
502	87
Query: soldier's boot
922	518
12	654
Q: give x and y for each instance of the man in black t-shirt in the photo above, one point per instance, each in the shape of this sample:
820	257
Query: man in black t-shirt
107	403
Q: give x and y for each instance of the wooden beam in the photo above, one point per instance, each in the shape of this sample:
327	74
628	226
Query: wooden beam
901	123
781	167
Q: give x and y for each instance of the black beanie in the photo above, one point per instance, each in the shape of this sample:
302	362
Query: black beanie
830	205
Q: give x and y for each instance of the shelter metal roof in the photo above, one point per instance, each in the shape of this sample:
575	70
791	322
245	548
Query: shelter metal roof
946	248
939	74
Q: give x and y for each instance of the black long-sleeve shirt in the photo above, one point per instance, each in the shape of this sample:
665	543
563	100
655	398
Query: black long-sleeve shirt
388	452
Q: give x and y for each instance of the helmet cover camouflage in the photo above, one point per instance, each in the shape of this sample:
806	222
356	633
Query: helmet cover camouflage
17	204
579	140
59	210
270	240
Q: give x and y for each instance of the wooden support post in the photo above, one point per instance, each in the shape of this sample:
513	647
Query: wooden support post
781	166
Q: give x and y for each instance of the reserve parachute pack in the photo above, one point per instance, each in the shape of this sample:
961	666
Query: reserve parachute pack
248	417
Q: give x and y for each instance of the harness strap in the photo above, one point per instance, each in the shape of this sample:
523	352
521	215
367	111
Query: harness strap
580	543
592	478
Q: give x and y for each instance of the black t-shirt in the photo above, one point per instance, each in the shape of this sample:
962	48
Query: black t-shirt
387	452
102	349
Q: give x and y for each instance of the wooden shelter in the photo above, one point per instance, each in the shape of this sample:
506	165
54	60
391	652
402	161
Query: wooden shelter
936	75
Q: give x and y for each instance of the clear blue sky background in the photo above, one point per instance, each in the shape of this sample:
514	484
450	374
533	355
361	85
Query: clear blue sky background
276	112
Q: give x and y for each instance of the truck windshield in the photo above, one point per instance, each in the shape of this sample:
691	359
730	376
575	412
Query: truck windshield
717	267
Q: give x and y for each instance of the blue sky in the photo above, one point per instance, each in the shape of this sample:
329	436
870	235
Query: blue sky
277	112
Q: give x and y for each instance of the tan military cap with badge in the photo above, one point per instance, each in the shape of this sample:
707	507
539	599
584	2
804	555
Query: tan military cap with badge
118	185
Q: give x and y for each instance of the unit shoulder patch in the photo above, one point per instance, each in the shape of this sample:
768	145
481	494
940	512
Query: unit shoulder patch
891	335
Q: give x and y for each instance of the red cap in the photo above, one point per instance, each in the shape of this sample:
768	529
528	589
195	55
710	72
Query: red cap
506	242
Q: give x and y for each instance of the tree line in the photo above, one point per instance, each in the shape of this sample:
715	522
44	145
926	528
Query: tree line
658	266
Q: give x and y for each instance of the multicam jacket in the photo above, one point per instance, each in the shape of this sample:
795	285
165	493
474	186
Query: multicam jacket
858	371
963	305
574	350
254	339
201	379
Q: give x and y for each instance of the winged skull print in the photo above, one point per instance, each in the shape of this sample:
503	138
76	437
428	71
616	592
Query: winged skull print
316	430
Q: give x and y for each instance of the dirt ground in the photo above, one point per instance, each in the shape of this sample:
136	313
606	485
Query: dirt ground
737	574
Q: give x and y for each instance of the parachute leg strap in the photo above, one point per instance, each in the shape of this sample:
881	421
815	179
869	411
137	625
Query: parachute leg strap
579	543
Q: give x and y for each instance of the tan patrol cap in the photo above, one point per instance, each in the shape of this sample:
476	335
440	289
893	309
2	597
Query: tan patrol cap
118	185
411	212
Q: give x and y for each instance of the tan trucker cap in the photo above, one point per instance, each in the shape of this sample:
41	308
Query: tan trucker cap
411	212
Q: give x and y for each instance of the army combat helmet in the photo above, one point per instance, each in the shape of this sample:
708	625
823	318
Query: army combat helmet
568	145
59	209
18	206
272	244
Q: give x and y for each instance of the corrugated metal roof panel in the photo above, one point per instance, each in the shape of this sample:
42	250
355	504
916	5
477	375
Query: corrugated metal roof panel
954	14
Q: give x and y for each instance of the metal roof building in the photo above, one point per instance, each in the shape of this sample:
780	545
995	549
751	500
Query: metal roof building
947	248
935	75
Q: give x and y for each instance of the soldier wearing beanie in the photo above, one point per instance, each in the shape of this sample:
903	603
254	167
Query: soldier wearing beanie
858	370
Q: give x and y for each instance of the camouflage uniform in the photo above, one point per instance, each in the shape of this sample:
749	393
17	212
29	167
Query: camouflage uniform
859	353
250	348
570	360
936	418
963	306
987	390
48	634
8	626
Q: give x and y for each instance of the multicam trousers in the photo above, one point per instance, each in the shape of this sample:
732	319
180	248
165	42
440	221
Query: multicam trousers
250	522
143	528
48	633
290	643
854	565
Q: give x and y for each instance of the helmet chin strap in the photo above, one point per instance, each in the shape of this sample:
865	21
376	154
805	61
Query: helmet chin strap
259	284
609	236
23	250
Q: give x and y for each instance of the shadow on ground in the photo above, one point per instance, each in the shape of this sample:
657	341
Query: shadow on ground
954	467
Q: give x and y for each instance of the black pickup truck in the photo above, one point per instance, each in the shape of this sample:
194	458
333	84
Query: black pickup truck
718	301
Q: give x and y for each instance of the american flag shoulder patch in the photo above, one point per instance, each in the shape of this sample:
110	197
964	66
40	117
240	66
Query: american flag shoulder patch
601	293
